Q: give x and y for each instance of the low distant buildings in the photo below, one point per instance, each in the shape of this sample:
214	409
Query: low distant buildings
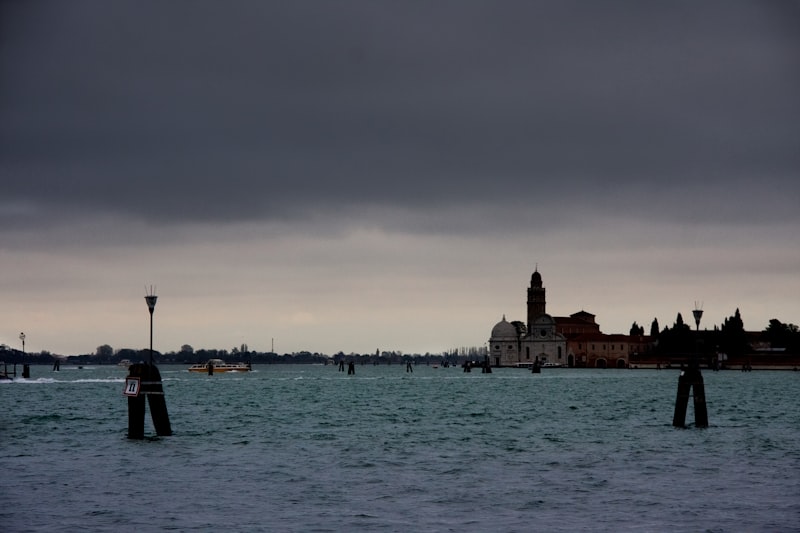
573	341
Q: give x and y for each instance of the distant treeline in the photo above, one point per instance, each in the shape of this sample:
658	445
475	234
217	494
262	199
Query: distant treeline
106	355
729	338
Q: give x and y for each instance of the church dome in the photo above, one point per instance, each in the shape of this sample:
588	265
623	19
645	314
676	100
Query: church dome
536	279
504	329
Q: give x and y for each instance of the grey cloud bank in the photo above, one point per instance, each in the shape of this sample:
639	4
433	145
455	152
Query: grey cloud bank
643	155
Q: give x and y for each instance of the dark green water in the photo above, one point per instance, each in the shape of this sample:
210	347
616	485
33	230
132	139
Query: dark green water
308	448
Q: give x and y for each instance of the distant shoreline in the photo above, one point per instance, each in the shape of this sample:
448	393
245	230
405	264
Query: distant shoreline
737	367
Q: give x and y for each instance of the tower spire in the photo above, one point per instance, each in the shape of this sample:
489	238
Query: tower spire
536	298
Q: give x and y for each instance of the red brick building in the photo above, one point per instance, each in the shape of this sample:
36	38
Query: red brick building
588	347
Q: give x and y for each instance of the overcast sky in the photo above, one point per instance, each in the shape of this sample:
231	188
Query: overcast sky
387	175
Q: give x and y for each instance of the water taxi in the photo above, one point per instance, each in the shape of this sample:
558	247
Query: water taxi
217	366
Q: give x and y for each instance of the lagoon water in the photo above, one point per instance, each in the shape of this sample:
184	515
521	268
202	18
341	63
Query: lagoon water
298	448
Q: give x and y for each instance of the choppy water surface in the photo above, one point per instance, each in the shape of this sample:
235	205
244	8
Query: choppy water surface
308	448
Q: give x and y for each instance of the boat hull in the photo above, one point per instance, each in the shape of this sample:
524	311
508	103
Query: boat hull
217	370
218	366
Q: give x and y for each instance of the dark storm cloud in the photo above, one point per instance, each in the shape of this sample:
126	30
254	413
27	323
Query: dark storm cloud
211	111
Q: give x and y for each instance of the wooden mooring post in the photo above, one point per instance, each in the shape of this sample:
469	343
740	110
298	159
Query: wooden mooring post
144	380
690	383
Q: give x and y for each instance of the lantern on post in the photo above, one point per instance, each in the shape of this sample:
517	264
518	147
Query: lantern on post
151	305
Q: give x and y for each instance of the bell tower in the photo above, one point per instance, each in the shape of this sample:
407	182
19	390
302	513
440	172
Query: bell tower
536	299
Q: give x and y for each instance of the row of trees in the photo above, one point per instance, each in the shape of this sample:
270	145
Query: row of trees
105	354
781	335
729	337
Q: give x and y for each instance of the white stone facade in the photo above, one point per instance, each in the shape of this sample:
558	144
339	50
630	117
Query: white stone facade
514	344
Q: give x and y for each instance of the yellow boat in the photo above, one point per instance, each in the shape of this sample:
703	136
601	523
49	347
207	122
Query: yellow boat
217	366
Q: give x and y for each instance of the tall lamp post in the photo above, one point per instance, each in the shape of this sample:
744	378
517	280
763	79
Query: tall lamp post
22	338
151	305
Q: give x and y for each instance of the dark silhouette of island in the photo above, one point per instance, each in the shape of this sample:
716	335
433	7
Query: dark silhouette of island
727	345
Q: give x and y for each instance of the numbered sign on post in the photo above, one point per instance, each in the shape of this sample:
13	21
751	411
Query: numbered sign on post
132	386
